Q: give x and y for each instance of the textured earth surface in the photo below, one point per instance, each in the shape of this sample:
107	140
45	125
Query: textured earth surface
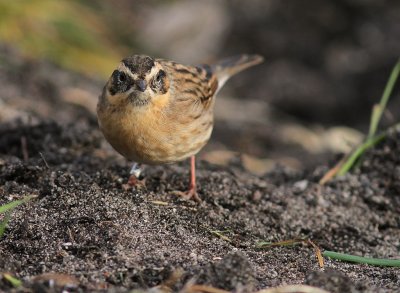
86	231
86	225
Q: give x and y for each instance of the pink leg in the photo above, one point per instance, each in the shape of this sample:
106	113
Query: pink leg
192	185
192	192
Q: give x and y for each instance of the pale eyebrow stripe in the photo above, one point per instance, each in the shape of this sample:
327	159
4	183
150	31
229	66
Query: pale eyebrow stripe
153	71
124	68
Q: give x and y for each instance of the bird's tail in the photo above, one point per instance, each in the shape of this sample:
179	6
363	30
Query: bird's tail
228	67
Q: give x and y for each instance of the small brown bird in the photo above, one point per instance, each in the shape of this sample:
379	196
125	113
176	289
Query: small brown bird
155	111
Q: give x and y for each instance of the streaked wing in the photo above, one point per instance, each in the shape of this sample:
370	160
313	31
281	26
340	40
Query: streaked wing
192	84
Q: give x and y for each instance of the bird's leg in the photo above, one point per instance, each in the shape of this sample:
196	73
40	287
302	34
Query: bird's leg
192	192
192	186
135	170
134	180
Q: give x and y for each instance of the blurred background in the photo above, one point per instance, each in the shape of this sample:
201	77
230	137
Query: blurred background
326	64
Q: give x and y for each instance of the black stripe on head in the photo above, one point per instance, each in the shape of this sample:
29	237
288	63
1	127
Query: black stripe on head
140	64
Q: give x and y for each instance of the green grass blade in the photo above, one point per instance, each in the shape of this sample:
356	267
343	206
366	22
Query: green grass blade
379	109
12	205
290	242
358	152
375	117
7	209
12	280
220	235
361	259
3	223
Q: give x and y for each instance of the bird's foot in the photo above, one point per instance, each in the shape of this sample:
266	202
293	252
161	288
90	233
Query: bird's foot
134	183
191	194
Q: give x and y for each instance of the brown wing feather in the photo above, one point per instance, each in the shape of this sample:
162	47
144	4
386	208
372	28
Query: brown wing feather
192	84
228	67
199	84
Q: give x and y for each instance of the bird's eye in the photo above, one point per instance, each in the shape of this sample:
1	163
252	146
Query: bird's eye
158	81
160	76
120	82
121	77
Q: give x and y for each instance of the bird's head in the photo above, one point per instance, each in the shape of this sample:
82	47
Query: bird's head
139	79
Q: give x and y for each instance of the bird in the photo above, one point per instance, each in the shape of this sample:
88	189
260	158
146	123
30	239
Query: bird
155	111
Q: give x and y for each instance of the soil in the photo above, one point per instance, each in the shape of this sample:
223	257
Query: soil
85	231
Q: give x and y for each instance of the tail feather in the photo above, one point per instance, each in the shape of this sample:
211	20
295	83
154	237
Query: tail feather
228	67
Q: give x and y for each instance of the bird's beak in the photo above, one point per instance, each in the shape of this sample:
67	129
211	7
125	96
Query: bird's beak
141	83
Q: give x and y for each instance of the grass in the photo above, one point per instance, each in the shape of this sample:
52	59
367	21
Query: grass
7	208
220	234
295	241
361	259
358	152
332	254
351	160
12	280
377	112
69	33
379	109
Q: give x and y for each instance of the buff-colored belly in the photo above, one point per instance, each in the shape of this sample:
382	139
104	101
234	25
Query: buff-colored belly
144	139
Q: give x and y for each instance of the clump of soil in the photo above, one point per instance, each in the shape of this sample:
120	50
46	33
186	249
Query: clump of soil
90	233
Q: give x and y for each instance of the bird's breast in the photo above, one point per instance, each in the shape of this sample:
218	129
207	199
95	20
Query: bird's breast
153	135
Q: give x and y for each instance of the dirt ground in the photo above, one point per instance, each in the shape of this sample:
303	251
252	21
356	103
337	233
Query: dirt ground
84	231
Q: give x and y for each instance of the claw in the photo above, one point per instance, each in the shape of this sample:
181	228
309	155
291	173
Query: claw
188	195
